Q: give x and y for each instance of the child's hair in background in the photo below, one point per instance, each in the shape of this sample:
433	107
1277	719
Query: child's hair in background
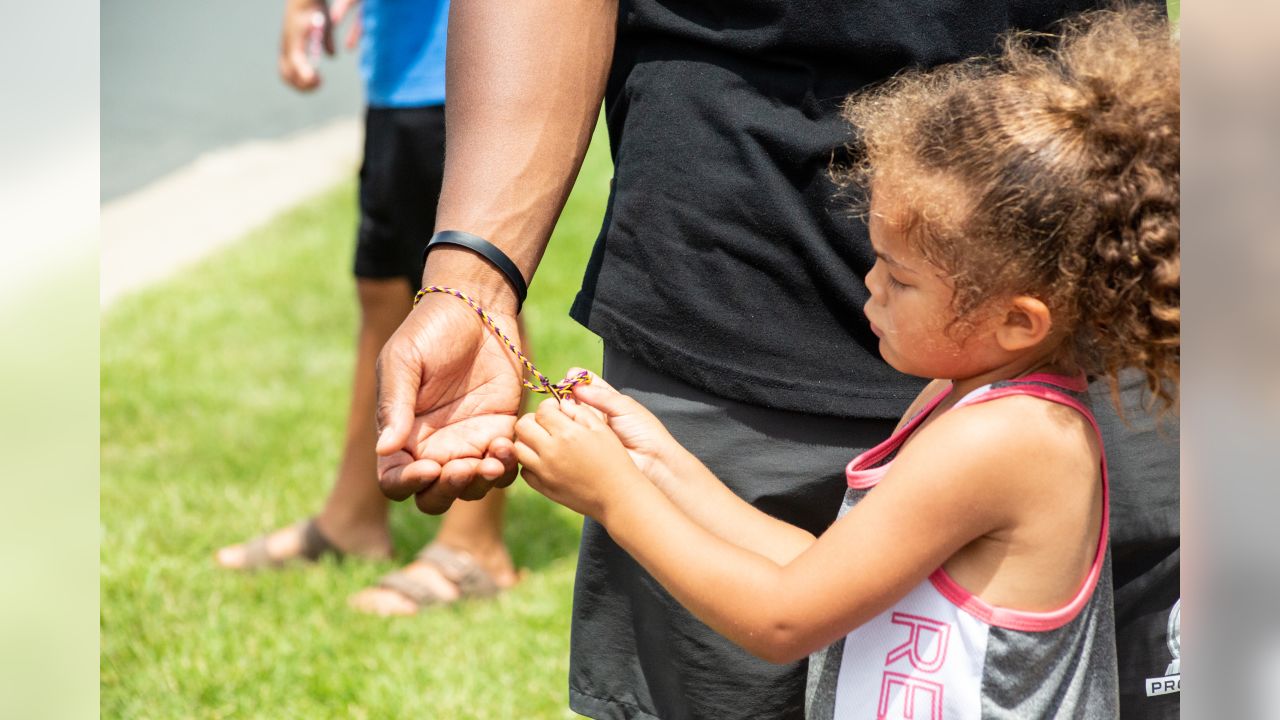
1051	171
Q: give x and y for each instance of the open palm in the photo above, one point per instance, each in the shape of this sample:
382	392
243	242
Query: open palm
463	386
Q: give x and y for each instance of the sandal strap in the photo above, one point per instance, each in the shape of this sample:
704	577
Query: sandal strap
256	556
315	544
402	582
460	568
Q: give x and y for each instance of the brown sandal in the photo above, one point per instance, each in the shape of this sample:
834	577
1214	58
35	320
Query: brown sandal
314	546
456	566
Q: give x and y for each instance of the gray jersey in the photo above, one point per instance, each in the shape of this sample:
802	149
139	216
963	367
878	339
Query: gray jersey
942	652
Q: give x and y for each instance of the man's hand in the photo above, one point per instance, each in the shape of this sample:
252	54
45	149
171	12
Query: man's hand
448	393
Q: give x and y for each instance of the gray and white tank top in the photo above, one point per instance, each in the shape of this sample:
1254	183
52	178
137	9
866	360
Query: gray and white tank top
941	653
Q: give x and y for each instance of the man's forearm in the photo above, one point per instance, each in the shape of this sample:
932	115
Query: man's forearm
525	83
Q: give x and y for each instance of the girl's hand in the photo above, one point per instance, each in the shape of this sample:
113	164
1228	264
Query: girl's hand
576	461
643	435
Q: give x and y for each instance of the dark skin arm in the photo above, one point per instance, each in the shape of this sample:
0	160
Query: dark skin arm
525	84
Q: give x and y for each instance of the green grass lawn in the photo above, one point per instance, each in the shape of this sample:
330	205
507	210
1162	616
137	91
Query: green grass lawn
223	398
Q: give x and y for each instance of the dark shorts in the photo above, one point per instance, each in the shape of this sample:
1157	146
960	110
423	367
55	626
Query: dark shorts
399	188
635	652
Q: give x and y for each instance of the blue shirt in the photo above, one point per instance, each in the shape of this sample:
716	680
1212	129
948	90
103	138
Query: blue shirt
402	52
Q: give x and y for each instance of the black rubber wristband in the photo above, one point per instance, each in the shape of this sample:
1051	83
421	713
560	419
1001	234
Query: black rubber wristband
489	252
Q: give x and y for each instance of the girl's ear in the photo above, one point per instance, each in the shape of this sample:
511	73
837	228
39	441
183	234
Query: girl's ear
1026	324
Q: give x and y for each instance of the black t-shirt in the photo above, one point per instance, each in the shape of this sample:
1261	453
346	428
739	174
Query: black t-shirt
725	259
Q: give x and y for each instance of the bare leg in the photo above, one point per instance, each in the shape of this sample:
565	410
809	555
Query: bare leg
355	515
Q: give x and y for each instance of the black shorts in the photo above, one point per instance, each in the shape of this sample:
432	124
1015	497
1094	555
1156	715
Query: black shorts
399	187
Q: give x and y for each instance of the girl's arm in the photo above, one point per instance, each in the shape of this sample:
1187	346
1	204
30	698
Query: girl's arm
698	494
690	485
684	479
939	495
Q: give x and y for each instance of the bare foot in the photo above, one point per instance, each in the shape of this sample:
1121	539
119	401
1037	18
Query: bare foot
288	543
431	578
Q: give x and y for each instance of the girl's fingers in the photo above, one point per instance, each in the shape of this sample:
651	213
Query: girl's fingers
595	379
526	456
570	408
530	434
604	398
590	418
551	417
532	480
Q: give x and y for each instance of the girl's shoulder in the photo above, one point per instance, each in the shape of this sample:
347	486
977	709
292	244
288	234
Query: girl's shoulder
1009	435
926	396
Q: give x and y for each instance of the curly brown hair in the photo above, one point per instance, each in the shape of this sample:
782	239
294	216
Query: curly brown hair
1051	170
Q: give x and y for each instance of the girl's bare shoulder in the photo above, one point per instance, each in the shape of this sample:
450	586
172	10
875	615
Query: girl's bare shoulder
1017	438
926	396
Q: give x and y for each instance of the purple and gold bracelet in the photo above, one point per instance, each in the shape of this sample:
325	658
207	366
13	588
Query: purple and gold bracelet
560	390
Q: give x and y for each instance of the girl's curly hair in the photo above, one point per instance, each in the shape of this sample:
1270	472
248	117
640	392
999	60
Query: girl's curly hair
1051	170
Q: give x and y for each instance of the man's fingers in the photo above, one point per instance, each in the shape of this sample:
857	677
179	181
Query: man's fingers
456	480
463	479
477	490
459	473
397	390
503	450
435	499
491	469
501	456
399	476
508	477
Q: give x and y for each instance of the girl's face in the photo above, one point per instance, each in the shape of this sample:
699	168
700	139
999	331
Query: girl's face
910	307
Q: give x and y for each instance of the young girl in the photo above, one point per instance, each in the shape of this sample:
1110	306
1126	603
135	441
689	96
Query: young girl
1024	216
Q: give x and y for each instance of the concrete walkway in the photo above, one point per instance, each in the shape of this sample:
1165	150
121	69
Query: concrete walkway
150	234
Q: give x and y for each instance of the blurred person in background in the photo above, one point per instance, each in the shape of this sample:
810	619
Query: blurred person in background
402	45
720	286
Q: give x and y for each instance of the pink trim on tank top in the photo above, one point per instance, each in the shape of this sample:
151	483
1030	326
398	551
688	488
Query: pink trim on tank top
1023	620
863	479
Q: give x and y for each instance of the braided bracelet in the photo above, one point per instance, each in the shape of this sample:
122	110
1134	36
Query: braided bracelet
559	390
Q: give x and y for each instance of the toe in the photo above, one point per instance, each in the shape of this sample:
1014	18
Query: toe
230	557
384	602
